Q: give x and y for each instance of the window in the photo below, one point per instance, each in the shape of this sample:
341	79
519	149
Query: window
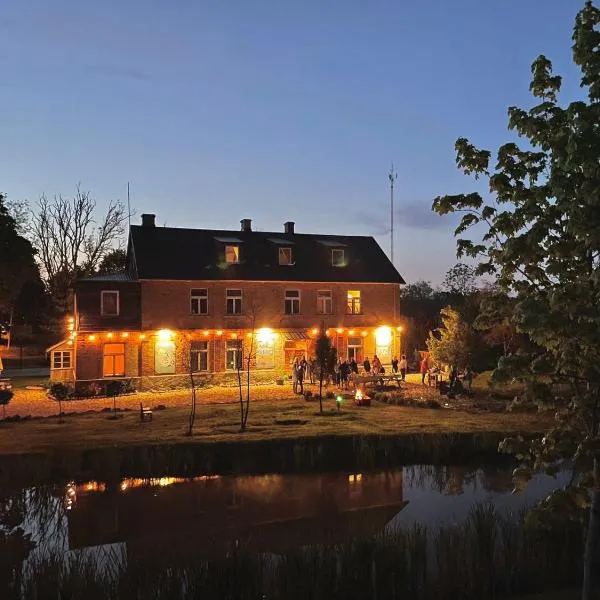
337	258
324	302
292	302
285	256
355	349
233	355
232	254
199	357
61	359
353	303
233	302
109	303
199	301
114	360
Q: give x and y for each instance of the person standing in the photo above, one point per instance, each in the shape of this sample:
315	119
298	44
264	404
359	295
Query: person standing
468	377
423	369
353	366
300	377
394	365
367	365
403	367
344	373
295	375
376	365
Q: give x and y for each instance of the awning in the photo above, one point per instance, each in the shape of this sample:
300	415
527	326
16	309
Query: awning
294	334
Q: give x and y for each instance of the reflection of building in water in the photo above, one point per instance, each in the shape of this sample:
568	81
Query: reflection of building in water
209	516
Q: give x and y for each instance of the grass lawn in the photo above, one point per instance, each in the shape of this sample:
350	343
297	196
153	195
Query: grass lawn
270	418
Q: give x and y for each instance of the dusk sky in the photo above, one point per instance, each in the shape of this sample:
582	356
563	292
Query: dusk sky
221	110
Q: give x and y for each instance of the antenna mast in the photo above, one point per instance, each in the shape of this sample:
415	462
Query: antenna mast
128	207
392	176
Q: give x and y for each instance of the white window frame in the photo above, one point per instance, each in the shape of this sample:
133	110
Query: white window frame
239	354
61	354
322	302
197	352
282	252
102	294
237	254
351	303
339	253
198	298
355	346
235	300
294	301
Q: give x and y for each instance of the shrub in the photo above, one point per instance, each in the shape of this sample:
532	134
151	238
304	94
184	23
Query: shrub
5	398
128	386
60	391
114	388
330	395
88	390
432	404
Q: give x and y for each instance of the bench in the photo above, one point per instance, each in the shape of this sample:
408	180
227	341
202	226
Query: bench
145	413
377	379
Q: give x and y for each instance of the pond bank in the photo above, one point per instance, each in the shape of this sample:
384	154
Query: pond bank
351	453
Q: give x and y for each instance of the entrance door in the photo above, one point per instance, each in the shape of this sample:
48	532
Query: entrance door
294	349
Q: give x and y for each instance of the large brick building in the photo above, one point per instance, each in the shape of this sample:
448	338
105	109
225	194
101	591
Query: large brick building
210	297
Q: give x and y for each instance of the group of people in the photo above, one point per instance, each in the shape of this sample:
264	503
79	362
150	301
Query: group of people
454	377
303	369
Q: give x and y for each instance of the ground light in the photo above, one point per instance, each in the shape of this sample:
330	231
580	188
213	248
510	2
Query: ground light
338	401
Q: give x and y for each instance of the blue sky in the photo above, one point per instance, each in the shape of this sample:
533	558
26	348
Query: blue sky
219	110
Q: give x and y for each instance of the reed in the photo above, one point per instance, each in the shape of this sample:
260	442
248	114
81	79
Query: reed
489	555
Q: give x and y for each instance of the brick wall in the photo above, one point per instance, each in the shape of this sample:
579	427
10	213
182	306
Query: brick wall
166	304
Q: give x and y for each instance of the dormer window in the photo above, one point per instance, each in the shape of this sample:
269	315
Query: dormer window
232	254
338	258
109	303
285	256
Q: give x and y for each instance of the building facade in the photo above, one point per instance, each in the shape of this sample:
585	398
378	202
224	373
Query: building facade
203	301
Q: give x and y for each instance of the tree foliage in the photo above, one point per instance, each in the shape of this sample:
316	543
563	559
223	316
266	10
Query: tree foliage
451	344
541	239
460	280
114	261
17	262
70	242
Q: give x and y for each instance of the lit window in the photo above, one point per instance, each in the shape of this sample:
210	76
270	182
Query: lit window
292	302
199	356
285	256
233	355
232	254
233	302
355	349
61	359
199	301
114	360
338	258
324	302
109	303
353	304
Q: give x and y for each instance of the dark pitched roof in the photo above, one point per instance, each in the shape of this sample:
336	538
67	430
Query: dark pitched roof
173	253
108	277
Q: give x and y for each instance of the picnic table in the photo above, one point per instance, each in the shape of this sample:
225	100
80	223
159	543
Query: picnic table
376	379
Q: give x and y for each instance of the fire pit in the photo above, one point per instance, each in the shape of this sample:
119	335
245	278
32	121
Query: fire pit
361	399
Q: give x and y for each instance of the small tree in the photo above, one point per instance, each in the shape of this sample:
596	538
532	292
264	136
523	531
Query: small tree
60	392
5	398
324	354
113	389
460	280
452	344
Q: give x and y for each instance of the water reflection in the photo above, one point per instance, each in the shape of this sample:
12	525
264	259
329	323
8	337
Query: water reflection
174	519
208	516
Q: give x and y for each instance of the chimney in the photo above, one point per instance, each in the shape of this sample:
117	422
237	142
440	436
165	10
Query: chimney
288	227
148	220
246	224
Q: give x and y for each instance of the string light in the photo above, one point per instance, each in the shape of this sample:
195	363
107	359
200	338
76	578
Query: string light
109	335
124	334
340	330
91	338
205	333
142	336
219	332
315	331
